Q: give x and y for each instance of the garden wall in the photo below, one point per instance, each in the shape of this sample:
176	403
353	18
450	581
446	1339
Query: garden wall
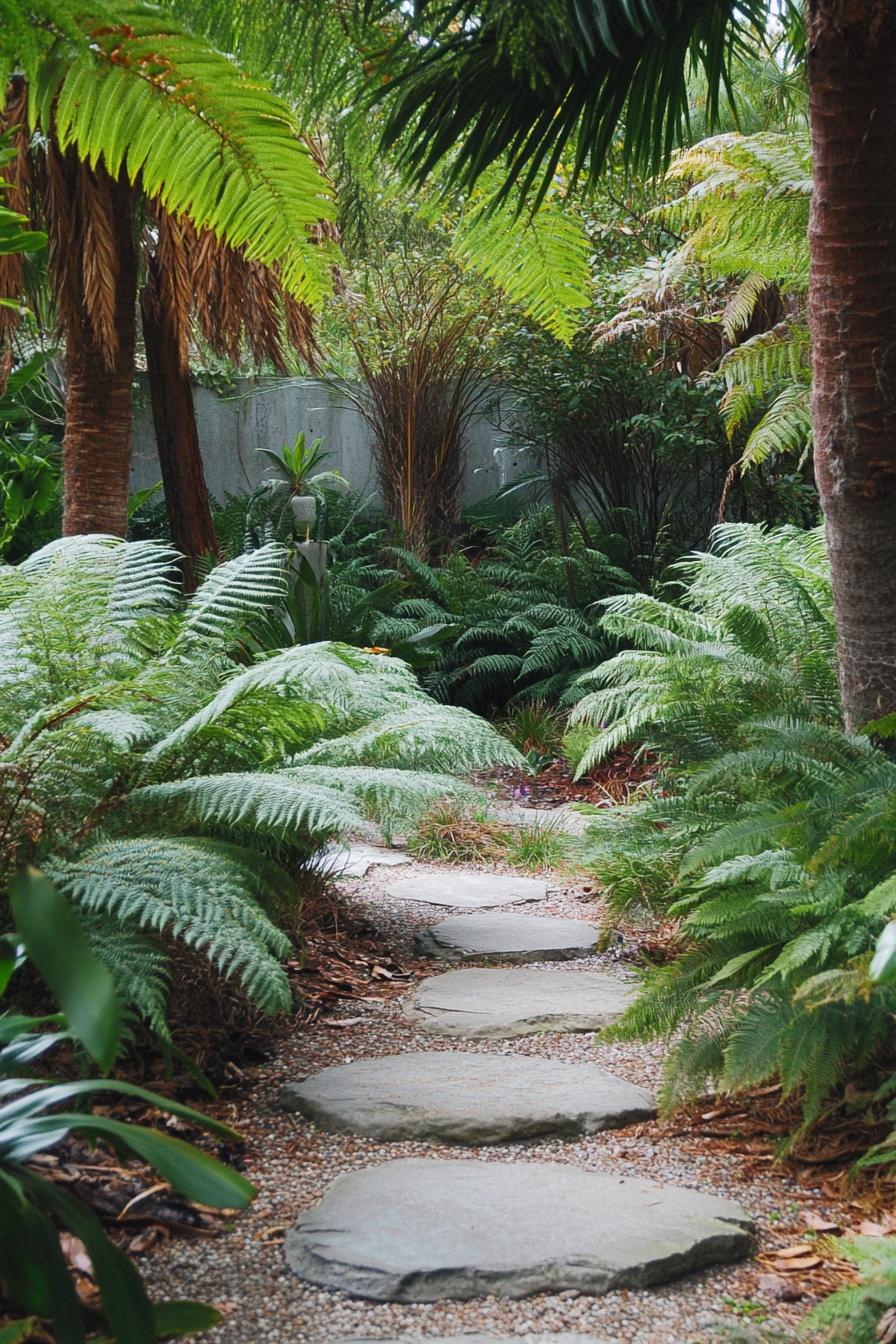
268	412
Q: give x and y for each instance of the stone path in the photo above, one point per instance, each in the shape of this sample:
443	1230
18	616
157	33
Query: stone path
457	1097
423	1230
501	1004
392	1232
508	937
468	891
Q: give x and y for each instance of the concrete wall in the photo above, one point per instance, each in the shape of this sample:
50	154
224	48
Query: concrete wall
266	413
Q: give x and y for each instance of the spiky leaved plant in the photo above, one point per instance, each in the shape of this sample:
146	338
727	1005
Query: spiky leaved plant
166	788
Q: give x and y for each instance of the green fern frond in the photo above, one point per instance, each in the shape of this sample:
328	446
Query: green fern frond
132	87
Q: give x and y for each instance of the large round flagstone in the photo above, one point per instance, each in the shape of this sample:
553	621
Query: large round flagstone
422	1230
508	937
468	891
498	1003
466	1098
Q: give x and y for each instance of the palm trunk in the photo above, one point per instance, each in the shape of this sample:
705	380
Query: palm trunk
99	371
852	91
177	437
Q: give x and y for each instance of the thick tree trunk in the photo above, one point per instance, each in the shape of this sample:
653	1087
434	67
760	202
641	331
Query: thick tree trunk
852	92
177	437
96	447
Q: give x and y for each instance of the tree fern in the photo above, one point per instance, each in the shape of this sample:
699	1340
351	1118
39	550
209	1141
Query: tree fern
129	85
166	787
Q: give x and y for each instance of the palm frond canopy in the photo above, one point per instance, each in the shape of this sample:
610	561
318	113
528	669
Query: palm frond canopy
554	85
130	88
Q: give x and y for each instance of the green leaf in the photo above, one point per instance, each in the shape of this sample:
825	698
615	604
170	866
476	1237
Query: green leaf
19	1332
191	1171
175	1319
125	1304
58	946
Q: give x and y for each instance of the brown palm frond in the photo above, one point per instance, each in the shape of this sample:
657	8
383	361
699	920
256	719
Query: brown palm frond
59	172
171	284
99	255
300	331
263	316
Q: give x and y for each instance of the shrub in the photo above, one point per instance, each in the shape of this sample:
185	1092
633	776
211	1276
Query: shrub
169	790
771	835
522	616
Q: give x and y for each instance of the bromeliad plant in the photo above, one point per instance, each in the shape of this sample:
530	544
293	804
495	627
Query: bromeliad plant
37	1113
169	790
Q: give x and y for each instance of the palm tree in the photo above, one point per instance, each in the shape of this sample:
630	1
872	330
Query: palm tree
130	123
555	86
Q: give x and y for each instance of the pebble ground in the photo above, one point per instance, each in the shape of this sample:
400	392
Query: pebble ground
292	1163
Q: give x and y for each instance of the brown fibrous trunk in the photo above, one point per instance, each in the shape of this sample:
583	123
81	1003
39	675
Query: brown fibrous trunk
852	303
94	245
177	437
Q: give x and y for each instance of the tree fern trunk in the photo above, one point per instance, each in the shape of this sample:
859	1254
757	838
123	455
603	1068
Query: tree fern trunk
99	301
852	84
177	437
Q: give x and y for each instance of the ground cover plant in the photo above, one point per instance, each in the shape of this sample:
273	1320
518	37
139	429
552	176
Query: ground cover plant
168	788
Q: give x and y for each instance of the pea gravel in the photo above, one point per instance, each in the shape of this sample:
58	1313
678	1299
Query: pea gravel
292	1162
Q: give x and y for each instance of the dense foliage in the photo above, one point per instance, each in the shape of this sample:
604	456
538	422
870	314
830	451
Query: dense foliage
769	835
169	788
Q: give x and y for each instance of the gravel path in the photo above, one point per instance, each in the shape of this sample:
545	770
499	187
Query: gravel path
292	1164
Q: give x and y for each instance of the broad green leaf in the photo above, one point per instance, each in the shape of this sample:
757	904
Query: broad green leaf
175	1319
125	1304
62	955
190	1170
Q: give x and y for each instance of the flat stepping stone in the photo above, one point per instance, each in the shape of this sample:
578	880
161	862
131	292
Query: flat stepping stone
466	1098
470	891
355	860
500	1004
508	937
561	818
423	1230
563	1338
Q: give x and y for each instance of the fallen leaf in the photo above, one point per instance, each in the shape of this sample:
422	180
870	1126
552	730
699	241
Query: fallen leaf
789	1251
781	1290
798	1263
823	1226
869	1229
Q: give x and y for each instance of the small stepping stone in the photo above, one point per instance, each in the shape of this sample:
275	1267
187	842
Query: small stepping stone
355	860
508	937
470	891
423	1230
466	1098
499	1004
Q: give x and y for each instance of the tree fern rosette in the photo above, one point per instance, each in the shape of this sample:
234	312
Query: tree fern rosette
167	785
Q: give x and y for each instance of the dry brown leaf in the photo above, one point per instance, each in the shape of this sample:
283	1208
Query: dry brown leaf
797	1264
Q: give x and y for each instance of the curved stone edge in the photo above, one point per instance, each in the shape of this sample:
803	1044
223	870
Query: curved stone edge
431	1022
461	1285
430	945
406	1123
